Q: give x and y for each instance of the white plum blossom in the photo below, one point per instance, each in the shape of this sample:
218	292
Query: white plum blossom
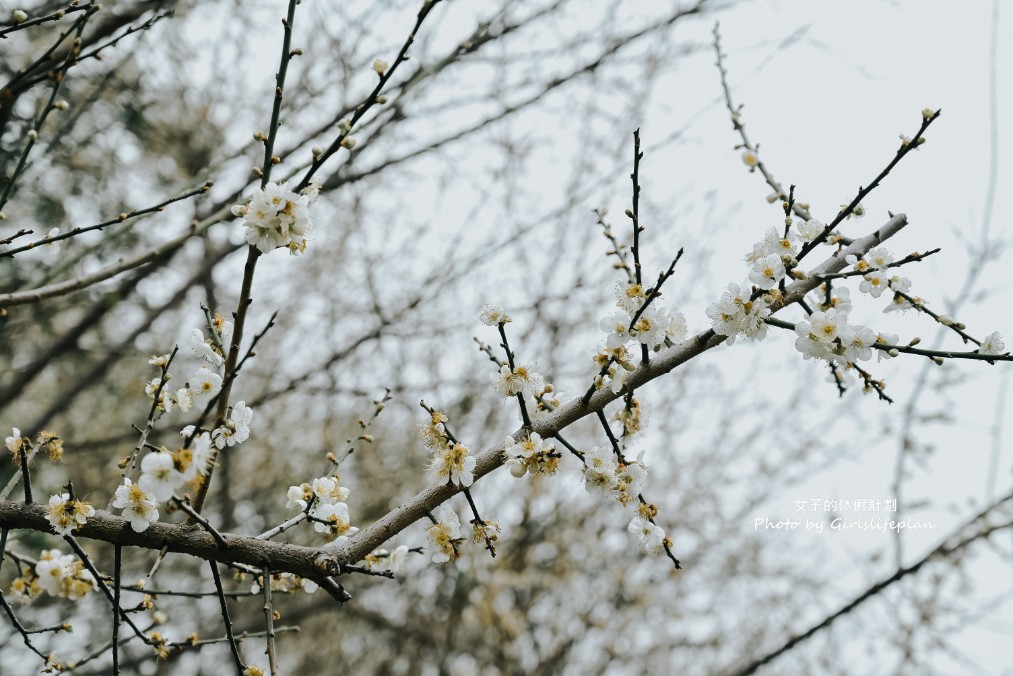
886	339
493	315
631	479
600	471
328	489
204	385
651	327
521	380
767	271
616	326
750	158
236	429
533	455
992	344
276	217
649	537
874	283
857	342
51	569
298	496
827	325
202	349
159	476
197	458
335	518
444	535
396	559
677	330
809	230
15	442
184	399
139	507
629	297
453	463
879	258
64	514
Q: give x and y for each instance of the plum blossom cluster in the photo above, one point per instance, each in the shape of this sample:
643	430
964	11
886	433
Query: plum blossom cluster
444	537
323	502
533	455
828	335
451	461
61	575
606	476
65	513
277	217
639	319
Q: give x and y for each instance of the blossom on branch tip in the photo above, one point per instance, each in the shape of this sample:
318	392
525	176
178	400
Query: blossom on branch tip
648	536
493	315
992	344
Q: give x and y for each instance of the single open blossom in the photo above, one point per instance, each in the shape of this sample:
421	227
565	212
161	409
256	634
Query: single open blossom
204	385
522	379
15	443
298	496
649	537
453	463
396	559
493	315
159	476
750	158
992	344
629	297
139	507
616	326
767	271
444	535
196	460
236	429
327	489
202	348
64	514
879	258
276	217
651	327
874	283
809	230
857	342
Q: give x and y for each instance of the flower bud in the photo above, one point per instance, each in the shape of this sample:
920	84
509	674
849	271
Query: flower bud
19	15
